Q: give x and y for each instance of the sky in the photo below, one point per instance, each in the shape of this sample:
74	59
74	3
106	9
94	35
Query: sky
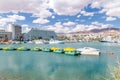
61	16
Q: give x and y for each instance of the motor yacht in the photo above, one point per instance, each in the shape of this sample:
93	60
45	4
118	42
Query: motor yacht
88	51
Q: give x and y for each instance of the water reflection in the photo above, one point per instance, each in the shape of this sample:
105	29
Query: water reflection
51	66
20	65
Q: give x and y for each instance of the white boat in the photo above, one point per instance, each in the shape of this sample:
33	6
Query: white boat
30	42
15	42
88	51
38	42
56	42
109	39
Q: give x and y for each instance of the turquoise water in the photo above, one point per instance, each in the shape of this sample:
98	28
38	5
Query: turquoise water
36	65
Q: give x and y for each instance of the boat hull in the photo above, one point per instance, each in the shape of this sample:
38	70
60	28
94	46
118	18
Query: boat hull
88	51
46	50
59	51
73	53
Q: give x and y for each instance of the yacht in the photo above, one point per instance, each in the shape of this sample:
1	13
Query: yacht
88	51
30	42
108	39
38	42
56	42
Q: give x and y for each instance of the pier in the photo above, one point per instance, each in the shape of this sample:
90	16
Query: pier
67	50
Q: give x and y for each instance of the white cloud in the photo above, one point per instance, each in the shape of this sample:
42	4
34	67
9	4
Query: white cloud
41	21
41	10
69	23
113	12
53	17
2	22
110	18
82	20
96	23
87	13
105	26
101	25
16	17
38	8
10	18
78	27
68	7
61	28
43	14
102	11
82	27
57	27
90	27
95	4
78	16
111	8
25	28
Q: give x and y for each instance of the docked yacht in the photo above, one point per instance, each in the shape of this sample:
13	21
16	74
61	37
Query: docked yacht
38	42
30	42
109	39
56	42
88	51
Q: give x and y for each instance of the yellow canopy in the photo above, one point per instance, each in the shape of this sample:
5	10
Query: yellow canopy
69	49
54	48
5	48
22	47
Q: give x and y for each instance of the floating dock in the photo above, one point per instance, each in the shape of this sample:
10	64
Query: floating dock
68	50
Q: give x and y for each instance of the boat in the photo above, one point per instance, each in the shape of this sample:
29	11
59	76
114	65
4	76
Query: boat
38	42
36	48
88	51
56	42
8	48
46	42
46	50
56	50
16	42
30	42
22	48
109	40
59	51
70	51
103	41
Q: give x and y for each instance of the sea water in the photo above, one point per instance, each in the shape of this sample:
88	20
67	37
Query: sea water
37	65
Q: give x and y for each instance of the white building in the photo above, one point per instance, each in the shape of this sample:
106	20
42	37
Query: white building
15	29
39	34
4	35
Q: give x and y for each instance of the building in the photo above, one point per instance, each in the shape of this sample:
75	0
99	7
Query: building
39	34
5	35
15	29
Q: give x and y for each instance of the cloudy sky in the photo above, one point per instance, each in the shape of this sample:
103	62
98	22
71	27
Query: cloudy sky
62	16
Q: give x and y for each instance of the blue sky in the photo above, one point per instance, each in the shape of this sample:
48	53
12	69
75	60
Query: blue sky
61	16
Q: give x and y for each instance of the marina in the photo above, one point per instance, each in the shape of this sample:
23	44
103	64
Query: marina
59	40
66	50
88	51
48	65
